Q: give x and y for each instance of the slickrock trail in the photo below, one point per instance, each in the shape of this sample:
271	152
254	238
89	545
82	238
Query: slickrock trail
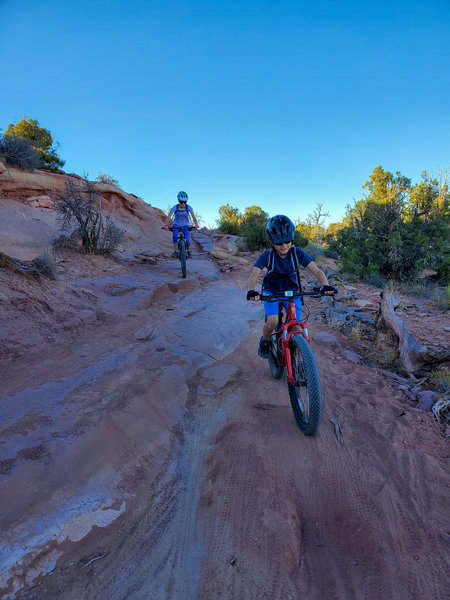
154	457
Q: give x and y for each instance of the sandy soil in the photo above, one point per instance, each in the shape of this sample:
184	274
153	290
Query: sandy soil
147	453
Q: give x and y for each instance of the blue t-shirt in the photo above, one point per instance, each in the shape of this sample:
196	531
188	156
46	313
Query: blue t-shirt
181	217
282	277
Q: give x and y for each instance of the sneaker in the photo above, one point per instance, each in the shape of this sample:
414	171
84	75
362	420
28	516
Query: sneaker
175	254
189	255
264	348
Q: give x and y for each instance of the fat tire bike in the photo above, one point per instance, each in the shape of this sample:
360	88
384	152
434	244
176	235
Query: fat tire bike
291	353
182	248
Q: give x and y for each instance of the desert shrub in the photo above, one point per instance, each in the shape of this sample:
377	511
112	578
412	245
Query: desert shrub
397	230
440	380
300	240
45	264
79	208
112	236
41	140
107	178
253	228
230	227
229	220
19	152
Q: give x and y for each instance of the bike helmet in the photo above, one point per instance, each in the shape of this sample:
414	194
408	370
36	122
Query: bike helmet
280	229
182	197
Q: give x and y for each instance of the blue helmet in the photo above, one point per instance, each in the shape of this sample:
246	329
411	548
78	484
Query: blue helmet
280	229
182	196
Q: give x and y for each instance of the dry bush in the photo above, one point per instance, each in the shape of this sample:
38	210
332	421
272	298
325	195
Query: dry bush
79	208
107	178
44	264
19	152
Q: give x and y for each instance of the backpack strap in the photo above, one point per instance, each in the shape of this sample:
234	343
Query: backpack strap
271	261
296	265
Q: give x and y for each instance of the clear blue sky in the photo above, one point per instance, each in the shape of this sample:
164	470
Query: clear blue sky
280	103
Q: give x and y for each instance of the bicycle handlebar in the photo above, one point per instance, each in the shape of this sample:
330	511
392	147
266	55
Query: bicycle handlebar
290	294
190	227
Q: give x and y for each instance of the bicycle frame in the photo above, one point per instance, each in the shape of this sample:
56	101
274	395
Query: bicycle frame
287	330
289	327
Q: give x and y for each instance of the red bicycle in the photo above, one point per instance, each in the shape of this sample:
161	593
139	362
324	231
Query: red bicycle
291	351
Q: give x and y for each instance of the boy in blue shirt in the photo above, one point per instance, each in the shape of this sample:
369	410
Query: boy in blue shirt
181	213
281	275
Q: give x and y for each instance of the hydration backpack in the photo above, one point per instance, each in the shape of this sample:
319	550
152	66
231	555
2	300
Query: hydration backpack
294	261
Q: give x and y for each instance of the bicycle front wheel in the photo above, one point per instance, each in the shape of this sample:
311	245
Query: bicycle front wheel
183	254
305	396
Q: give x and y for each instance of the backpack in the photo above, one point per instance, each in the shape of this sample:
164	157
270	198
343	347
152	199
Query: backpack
294	261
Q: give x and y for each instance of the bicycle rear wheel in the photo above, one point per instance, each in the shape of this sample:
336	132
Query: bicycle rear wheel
305	396
276	370
183	257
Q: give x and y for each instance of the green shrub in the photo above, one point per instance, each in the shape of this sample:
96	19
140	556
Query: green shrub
230	227
300	240
41	140
397	230
253	228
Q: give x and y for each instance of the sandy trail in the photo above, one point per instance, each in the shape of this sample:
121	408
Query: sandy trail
166	472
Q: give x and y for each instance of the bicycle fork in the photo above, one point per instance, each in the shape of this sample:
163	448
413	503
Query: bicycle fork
285	338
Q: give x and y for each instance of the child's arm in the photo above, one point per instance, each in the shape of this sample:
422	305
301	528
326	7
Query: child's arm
318	274
327	289
194	218
169	218
252	283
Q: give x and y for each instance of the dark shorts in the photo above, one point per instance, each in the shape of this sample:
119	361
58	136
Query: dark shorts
271	308
185	228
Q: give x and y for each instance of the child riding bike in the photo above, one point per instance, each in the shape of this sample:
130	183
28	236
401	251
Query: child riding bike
179	218
282	263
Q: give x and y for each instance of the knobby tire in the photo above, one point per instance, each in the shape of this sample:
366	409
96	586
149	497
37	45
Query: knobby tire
305	396
276	370
183	255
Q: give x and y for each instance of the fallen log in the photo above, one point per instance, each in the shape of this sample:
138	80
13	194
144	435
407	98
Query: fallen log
413	356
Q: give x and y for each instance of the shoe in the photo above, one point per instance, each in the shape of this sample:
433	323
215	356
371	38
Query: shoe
189	255
175	254
264	348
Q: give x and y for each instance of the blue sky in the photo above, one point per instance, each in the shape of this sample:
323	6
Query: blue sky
283	104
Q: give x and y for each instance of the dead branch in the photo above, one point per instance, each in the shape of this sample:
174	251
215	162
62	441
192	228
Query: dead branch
413	357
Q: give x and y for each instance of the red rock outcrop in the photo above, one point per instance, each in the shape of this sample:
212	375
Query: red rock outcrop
28	223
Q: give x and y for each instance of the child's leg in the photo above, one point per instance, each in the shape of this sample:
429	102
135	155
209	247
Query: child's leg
270	325
175	237
187	235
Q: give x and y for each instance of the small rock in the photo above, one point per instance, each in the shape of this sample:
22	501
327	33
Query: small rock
145	333
325	339
363	303
88	316
351	356
427	399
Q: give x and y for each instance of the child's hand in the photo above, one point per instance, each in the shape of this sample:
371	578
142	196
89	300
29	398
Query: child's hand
252	295
166	227
328	290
